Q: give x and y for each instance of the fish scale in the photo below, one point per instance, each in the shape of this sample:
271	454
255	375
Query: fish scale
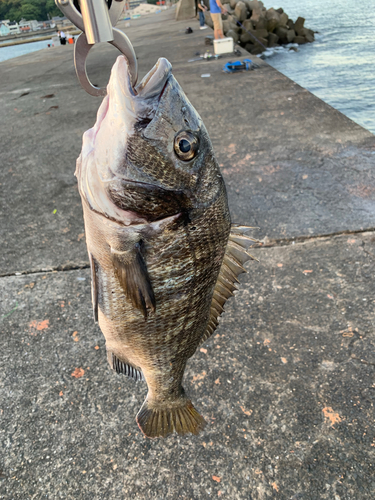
164	256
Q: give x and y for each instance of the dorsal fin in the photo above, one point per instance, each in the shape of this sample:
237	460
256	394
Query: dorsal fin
235	255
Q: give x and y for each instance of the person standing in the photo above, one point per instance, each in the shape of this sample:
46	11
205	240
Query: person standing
202	8
217	9
62	37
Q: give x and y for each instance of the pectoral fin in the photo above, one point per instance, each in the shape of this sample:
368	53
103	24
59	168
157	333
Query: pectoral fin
235	255
131	271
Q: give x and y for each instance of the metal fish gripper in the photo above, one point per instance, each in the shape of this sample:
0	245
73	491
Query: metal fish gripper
96	19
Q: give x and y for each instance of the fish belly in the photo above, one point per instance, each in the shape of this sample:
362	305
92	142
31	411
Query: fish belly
183	261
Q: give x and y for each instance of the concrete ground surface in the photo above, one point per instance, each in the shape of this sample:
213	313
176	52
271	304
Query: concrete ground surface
287	382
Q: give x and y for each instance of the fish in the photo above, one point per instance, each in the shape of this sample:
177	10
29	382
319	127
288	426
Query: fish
164	254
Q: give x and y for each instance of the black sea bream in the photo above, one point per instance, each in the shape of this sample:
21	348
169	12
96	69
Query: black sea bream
164	255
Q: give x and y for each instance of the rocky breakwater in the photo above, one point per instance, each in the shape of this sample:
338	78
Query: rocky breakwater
261	28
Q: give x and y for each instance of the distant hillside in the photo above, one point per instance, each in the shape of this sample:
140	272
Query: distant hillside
15	10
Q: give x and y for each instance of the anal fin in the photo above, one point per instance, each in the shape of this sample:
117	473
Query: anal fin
232	266
124	367
132	273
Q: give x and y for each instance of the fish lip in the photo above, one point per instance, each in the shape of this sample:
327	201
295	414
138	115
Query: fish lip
145	184
139	103
136	183
151	85
155	81
165	86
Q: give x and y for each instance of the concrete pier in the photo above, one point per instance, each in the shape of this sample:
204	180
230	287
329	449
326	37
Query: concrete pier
286	384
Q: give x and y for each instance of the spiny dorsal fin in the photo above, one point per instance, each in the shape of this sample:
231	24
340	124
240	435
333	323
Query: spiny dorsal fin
125	368
132	273
235	256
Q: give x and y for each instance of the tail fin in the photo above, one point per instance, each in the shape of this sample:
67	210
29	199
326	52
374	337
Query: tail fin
160	422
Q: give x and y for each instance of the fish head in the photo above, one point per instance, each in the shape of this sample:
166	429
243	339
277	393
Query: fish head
148	143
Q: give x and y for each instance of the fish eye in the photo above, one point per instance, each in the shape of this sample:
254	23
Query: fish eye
186	145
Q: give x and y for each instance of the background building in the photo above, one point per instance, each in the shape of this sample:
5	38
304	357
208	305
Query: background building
4	29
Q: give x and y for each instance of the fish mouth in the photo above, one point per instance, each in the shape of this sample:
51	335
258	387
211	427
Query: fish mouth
124	106
104	146
156	79
141	101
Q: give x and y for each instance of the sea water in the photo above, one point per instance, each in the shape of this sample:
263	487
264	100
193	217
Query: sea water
339	67
22	49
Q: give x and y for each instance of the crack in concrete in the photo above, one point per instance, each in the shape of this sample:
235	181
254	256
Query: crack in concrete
268	243
54	269
282	242
361	360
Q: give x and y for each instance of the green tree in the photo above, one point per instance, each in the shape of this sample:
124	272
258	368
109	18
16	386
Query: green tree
51	9
29	11
10	9
13	14
15	10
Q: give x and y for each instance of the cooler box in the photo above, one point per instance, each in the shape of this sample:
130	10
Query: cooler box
55	41
223	46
